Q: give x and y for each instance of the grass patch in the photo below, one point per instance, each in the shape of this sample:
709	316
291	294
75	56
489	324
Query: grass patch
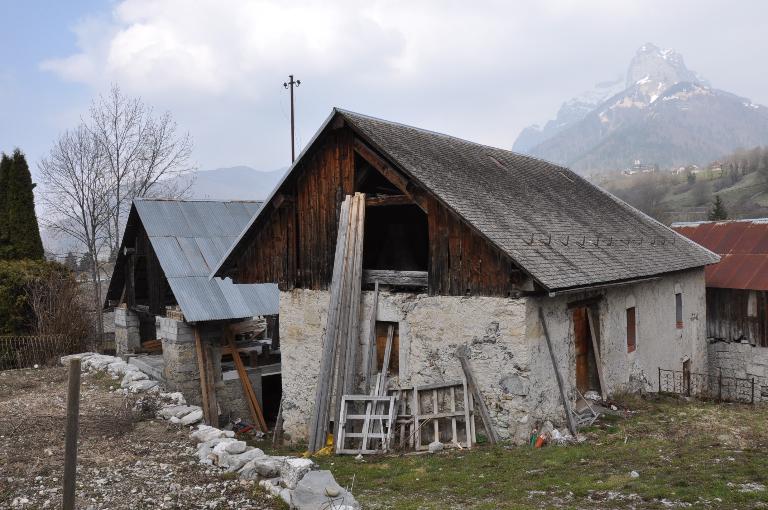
685	452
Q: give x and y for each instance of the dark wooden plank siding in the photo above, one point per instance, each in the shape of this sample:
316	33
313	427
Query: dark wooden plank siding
295	243
728	316
462	262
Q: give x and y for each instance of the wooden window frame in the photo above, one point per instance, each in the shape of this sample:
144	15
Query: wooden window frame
631	318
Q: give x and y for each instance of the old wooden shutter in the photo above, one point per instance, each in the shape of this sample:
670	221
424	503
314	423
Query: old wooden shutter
631	330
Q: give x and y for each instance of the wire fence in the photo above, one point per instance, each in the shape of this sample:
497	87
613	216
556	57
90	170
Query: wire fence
749	390
26	351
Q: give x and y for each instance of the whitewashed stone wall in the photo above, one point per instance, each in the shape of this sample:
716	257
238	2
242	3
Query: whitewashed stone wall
659	342
507	348
430	329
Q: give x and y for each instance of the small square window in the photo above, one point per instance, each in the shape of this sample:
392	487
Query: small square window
679	310
631	330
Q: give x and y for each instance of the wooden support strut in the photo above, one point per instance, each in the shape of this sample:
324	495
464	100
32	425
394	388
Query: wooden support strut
208	392
461	353
395	177
561	387
250	395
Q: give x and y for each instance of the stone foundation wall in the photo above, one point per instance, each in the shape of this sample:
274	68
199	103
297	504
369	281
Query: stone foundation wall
127	339
736	359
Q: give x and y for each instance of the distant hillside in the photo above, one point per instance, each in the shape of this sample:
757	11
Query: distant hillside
235	183
666	115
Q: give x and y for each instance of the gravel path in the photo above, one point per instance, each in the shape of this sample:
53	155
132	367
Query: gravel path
123	461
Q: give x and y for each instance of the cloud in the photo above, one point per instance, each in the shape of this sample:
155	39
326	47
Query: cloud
482	70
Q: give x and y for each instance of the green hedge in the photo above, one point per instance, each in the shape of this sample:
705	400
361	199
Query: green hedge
15	315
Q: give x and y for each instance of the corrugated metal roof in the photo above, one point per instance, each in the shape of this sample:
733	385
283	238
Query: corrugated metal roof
743	246
189	237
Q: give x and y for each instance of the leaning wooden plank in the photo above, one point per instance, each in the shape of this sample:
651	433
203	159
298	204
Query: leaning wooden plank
202	368
277	432
467	412
213	403
319	417
345	312
371	352
560	385
245	381
461	353
353	329
595	335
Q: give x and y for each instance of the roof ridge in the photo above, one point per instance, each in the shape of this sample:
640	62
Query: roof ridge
183	200
445	135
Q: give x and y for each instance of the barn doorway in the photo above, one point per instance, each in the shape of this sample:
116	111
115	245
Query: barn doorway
587	378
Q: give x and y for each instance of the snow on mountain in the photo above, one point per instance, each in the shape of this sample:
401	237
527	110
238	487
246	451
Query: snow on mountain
663	113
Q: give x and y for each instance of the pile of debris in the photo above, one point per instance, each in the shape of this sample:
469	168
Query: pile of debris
295	480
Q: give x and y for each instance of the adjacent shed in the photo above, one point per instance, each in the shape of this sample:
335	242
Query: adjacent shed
165	300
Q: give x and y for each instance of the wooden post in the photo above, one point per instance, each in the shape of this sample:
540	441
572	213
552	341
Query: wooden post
461	353
245	381
70	446
595	335
202	367
566	402
371	353
277	432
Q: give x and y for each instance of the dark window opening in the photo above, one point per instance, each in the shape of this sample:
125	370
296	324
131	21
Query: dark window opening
679	311
382	331
587	377
140	281
396	238
370	181
631	330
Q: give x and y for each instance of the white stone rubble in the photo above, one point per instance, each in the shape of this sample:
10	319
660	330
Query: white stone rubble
292	479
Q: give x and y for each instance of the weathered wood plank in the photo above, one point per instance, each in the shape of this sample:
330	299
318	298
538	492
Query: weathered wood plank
397	278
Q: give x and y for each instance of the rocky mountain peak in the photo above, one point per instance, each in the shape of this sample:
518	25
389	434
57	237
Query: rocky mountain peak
654	69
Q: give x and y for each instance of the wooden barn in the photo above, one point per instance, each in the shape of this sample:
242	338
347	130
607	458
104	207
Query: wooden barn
431	260
172	319
737	294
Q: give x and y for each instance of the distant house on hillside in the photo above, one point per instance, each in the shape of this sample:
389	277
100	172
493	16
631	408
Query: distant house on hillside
470	244
164	301
737	294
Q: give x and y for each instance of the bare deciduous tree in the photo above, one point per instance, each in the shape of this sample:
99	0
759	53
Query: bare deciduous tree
77	199
141	154
122	151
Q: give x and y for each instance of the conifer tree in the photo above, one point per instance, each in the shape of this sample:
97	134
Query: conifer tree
718	211
21	222
5	168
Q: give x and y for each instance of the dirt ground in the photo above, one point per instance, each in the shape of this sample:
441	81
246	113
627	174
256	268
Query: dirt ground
124	461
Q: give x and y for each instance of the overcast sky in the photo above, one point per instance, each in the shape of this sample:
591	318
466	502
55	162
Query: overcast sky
478	70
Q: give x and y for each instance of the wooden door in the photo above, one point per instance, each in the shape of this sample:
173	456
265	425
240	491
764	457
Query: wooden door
582	342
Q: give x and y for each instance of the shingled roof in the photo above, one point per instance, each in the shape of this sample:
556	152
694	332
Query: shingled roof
189	237
562	230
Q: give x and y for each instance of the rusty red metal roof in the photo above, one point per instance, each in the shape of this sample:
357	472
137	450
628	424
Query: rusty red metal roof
743	249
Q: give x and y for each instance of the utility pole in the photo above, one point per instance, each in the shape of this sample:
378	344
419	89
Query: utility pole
289	85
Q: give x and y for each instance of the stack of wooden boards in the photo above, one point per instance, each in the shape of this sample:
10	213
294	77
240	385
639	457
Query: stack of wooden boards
339	354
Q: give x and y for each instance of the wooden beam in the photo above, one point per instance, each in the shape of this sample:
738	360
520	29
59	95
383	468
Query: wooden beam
560	385
202	366
400	181
485	415
251	326
398	278
388	200
250	395
282	199
594	329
